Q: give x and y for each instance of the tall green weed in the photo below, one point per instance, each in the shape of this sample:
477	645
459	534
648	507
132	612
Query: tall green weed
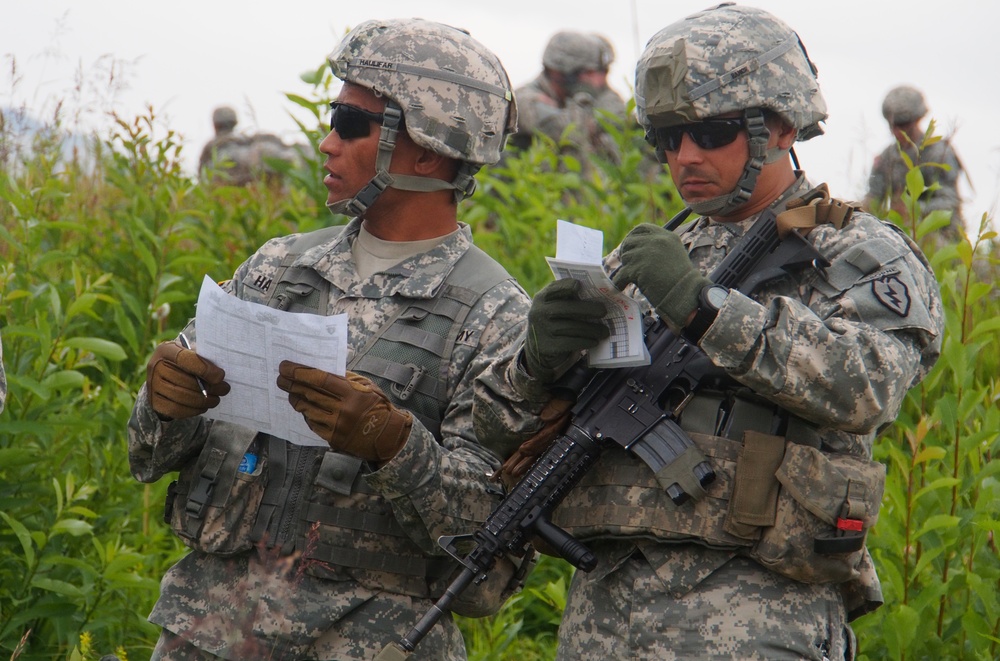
934	544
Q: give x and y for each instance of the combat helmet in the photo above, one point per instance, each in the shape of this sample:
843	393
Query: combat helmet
453	93
903	105
224	118
572	52
729	58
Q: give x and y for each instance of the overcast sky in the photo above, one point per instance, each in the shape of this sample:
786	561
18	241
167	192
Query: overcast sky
185	57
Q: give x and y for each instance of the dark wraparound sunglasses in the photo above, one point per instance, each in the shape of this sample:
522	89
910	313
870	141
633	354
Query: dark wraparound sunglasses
350	122
707	134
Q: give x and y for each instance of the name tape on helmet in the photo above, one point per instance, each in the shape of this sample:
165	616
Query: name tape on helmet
437	74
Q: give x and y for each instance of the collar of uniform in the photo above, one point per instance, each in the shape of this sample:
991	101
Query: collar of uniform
739	228
420	276
544	85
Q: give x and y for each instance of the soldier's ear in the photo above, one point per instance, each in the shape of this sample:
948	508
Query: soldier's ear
786	134
431	164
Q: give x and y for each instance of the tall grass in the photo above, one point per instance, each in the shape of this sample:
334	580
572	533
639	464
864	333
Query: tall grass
101	257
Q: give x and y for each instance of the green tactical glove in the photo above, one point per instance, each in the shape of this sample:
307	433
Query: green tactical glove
172	382
348	412
560	324
655	260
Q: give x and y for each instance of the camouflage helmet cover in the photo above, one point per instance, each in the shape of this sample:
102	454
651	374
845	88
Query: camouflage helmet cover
569	52
903	105
724	59
455	95
224	117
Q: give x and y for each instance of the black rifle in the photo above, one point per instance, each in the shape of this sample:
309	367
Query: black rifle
637	408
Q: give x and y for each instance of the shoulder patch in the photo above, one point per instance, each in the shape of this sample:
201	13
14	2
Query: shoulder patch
893	294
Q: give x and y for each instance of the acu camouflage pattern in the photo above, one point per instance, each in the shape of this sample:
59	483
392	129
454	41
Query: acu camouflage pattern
903	105
838	349
709	64
237	159
454	92
632	613
571	52
224	118
887	180
572	123
286	604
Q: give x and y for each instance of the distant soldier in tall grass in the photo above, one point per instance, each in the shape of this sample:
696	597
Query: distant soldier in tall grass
227	154
903	108
236	159
329	551
571	94
799	373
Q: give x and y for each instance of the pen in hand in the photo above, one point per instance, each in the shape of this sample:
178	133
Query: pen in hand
187	345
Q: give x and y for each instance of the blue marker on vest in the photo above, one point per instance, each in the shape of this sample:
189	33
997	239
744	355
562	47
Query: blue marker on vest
249	463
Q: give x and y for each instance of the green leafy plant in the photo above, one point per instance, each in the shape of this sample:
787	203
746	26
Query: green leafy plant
934	543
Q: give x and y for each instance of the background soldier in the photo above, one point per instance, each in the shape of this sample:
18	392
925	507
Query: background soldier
572	90
239	159
228	152
308	552
809	368
903	108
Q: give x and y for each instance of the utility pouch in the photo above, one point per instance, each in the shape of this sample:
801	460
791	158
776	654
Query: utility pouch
825	505
214	502
754	501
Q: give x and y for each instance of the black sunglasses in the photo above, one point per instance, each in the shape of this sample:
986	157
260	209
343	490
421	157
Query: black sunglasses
350	122
707	134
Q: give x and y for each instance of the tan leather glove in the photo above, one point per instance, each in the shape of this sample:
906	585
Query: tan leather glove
555	418
348	412
172	382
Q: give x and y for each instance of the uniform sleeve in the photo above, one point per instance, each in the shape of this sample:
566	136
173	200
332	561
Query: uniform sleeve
508	401
444	488
845	361
608	100
157	447
878	181
946	196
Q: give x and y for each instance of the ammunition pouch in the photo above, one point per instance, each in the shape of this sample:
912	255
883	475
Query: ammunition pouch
805	511
351	534
808	515
212	504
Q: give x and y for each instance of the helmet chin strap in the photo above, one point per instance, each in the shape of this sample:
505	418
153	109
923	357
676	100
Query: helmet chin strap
464	184
723	205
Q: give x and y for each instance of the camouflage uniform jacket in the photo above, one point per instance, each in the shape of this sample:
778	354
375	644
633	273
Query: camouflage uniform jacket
269	600
230	156
539	112
837	349
888	179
